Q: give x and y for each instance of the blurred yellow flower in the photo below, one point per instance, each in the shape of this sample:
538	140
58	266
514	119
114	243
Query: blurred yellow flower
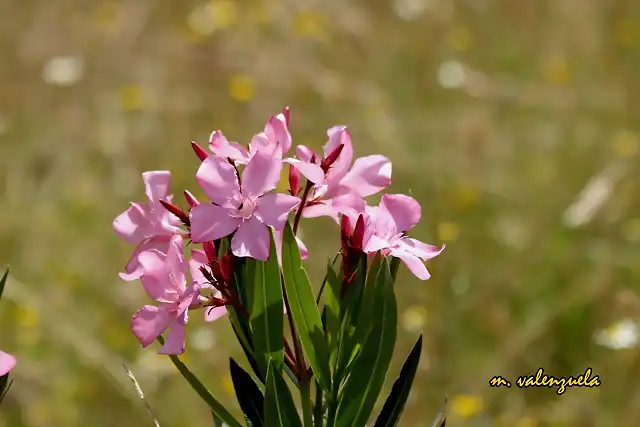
625	143
27	317
131	97
241	88
225	13
460	38
557	70
414	318
526	422
206	19
310	24
466	405
108	15
627	32
448	231
227	384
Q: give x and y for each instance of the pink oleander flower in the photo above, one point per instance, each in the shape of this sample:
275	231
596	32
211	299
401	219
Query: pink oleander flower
147	225
198	260
7	362
276	132
396	214
340	186
246	208
165	280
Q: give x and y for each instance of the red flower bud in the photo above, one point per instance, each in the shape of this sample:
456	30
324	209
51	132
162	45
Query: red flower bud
294	180
358	233
191	200
331	158
210	250
200	152
177	212
226	267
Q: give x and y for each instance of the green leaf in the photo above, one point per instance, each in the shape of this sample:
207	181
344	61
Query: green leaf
248	352
3	281
217	422
318	410
279	407
395	264
332	311
248	393
370	368
304	309
394	405
267	320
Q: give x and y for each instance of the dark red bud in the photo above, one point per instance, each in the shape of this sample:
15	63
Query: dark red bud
358	233
286	113
191	200
294	180
226	267
182	215
331	158
210	250
207	275
200	152
218	302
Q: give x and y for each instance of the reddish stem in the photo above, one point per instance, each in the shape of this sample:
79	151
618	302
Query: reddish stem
305	194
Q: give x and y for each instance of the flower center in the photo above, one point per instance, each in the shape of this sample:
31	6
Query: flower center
246	209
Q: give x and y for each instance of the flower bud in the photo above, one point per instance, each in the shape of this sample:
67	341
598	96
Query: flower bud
294	180
177	212
210	251
331	158
200	152
358	233
226	267
191	200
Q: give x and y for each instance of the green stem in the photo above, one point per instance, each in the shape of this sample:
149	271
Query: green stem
305	397
202	391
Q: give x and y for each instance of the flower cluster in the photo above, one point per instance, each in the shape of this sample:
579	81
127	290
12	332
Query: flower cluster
239	182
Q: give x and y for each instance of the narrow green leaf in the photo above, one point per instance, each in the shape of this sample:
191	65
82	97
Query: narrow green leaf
279	407
267	320
332	312
441	420
304	309
370	368
394	405
318	409
248	394
217	422
202	391
248	352
395	265
3	281
243	275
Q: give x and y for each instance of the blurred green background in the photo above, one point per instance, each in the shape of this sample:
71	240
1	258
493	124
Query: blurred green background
515	123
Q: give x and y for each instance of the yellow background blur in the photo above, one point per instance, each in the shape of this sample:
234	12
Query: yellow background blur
514	123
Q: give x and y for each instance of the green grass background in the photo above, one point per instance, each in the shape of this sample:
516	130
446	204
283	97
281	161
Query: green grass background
545	99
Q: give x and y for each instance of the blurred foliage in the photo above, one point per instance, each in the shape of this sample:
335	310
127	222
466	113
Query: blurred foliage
514	123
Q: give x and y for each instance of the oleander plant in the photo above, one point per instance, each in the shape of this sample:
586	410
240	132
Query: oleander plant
238	255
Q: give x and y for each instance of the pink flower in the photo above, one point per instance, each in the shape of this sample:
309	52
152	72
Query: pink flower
199	259
276	132
340	186
148	225
165	281
245	209
7	362
394	215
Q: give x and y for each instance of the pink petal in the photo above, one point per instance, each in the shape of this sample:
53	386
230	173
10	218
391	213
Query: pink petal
177	264
348	204
259	142
155	278
312	172
262	173
404	210
132	225
319	209
156	184
219	144
420	249
277	132
415	264
339	135
305	154
149	323
7	362
368	175
198	259
218	179
211	314
210	222
374	244
133	269
251	240
273	209
304	252
175	342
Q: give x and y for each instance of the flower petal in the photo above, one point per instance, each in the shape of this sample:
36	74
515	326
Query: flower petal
251	240
374	244
219	144
262	173
368	175
305	154
273	209
339	135
198	259
404	210
211	314
175	342
210	222
277	132
177	264
157	184
133	225
321	208
312	172
149	323
155	278
415	264
218	179
133	270
420	249
7	362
